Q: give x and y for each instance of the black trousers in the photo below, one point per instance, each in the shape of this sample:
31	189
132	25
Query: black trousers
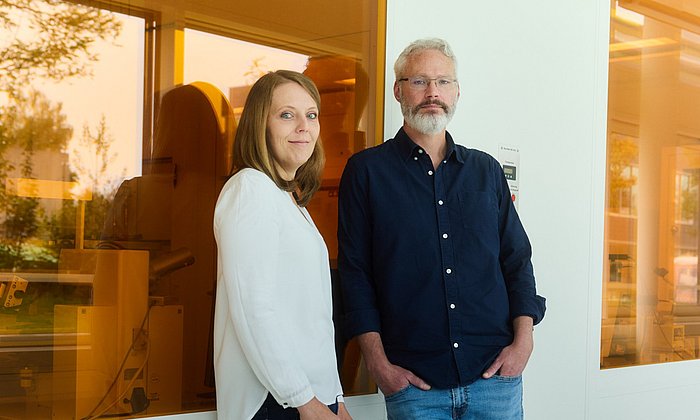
271	410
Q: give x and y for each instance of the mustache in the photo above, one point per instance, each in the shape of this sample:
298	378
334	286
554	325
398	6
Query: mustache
431	102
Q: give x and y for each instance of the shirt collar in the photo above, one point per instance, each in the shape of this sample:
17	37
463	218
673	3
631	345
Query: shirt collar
408	149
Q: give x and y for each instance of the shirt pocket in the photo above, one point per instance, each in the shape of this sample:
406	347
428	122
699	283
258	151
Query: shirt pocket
478	210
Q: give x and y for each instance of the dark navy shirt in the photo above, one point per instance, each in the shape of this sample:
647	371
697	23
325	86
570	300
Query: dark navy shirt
435	260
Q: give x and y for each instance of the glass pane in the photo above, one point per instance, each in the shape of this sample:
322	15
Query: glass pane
651	311
116	127
63	153
233	71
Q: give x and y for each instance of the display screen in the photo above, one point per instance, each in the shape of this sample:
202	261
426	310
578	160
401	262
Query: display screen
509	171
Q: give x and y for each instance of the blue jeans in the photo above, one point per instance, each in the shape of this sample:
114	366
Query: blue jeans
497	398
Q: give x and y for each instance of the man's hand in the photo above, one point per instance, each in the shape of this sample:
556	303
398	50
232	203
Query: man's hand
513	358
389	377
392	378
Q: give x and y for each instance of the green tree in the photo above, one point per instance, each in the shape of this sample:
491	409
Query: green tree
50	39
29	124
21	223
689	196
92	156
33	122
53	40
622	157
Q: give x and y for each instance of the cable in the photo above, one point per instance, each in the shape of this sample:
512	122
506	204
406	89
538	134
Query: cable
91	415
127	387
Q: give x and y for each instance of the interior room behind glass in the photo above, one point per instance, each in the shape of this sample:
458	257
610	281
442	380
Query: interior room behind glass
112	158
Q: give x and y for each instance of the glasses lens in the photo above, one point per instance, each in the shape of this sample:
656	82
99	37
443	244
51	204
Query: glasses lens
422	83
418	83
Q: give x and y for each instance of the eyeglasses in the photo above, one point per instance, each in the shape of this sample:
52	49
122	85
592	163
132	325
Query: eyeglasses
422	83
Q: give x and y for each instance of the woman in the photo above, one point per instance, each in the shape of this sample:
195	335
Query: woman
274	352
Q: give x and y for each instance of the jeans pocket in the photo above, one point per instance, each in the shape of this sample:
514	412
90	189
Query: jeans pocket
397	394
507	378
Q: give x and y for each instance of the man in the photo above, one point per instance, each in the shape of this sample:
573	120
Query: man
434	262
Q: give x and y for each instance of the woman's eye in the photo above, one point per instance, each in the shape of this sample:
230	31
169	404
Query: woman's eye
312	115
287	115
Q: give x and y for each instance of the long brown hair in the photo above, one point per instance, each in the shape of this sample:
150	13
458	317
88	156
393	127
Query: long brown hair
250	148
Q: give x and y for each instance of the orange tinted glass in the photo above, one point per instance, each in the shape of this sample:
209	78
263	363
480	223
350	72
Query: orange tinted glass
651	303
116	126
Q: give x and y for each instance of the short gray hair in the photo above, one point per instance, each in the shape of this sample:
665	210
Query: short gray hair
420	45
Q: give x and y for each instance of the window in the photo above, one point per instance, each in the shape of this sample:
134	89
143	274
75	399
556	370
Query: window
651	311
106	179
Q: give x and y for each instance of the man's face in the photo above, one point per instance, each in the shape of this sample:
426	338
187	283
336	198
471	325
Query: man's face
429	107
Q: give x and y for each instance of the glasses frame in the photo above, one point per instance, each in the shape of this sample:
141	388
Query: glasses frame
428	80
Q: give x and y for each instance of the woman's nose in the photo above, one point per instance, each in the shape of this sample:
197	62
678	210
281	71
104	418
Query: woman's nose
303	125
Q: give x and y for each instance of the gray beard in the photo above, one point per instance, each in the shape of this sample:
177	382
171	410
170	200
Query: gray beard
430	123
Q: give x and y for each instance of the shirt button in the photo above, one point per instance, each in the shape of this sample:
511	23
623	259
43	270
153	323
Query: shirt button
415	157
452	306
440	202
430	172
455	345
444	236
448	271
444	161
420	150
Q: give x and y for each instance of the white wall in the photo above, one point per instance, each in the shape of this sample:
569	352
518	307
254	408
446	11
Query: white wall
534	75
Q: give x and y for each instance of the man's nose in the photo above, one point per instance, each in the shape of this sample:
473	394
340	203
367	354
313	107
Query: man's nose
432	88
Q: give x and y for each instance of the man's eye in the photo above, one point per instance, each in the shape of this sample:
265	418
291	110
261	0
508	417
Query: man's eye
444	82
312	115
418	82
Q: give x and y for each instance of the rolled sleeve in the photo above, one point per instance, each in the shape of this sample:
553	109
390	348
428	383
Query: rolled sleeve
432	257
516	257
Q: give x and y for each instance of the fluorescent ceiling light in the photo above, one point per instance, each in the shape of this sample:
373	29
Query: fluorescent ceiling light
627	16
641	43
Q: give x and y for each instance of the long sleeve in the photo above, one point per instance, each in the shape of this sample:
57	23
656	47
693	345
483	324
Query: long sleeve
435	259
248	229
516	257
355	253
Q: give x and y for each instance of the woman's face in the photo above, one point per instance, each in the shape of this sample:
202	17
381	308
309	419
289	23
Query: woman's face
292	128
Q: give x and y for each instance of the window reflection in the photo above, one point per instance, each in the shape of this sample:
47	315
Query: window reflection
651	310
63	152
108	182
344	88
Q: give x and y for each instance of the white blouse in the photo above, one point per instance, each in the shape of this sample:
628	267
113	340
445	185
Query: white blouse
273	327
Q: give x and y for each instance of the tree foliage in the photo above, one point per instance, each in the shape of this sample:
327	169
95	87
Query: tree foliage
622	157
29	124
50	39
689	197
55	40
32	122
92	156
21	223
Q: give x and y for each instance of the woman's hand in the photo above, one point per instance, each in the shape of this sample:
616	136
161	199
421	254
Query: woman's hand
343	412
316	410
